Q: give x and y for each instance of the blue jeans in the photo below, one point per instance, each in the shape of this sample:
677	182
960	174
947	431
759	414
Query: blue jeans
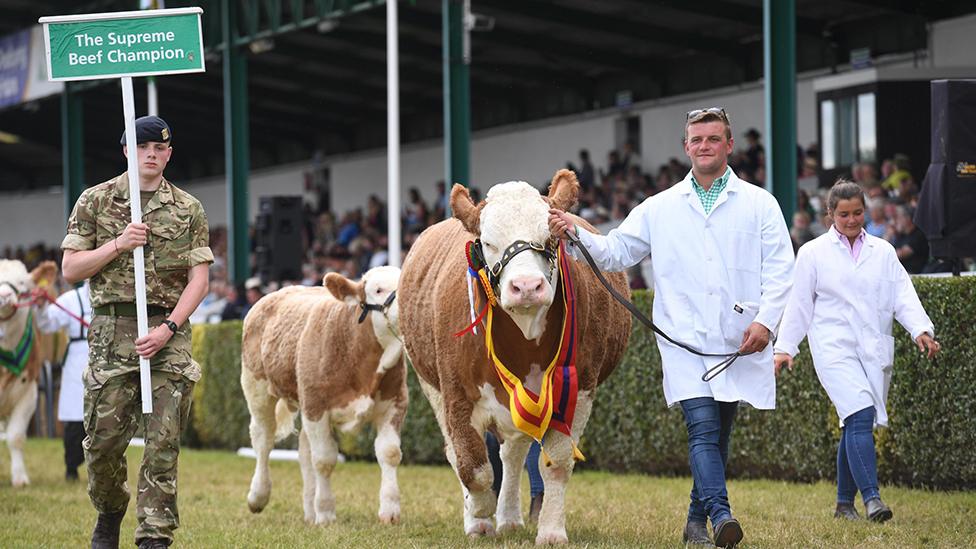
709	426
857	465
536	486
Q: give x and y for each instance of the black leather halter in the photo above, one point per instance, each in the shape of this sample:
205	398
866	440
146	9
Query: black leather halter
515	248
367	307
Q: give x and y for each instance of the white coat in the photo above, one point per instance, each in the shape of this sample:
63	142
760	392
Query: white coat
52	318
704	266
845	309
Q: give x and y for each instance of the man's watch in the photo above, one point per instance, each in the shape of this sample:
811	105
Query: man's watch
171	325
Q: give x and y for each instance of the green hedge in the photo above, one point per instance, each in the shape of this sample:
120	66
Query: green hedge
932	409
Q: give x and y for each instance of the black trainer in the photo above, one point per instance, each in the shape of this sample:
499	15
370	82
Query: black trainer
106	533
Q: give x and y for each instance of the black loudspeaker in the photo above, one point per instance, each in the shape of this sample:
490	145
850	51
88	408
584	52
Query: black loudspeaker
946	210
278	238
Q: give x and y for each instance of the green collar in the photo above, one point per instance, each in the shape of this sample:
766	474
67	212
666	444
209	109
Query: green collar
16	360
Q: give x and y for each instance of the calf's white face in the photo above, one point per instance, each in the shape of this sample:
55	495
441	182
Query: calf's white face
14	280
378	283
515	211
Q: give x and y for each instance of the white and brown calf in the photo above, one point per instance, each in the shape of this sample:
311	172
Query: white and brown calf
18	393
305	349
456	374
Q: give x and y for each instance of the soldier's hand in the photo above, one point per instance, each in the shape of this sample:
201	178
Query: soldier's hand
148	346
134	235
755	339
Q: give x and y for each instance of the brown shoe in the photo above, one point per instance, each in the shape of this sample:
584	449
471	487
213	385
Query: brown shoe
876	510
696	533
846	511
106	533
728	533
535	506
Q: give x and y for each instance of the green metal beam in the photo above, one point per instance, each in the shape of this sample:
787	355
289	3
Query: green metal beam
457	97
779	48
236	145
72	146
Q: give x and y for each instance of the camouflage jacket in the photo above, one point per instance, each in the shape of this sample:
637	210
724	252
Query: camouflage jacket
179	238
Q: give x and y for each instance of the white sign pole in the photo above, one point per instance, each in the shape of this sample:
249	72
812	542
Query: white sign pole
393	134
135	203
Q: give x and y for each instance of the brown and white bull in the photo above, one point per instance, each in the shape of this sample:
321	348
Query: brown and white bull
455	373
18	344
334	353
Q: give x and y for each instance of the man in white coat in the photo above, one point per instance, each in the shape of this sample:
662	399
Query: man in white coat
71	306
723	263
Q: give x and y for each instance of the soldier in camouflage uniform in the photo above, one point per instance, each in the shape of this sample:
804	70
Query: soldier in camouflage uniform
98	246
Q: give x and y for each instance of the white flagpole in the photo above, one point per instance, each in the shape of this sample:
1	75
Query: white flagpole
393	133
129	113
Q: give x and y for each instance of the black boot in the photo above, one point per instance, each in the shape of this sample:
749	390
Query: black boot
535	505
846	511
696	533
876	510
728	533
106	533
153	543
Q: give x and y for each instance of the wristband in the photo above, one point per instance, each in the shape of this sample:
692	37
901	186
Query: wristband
171	325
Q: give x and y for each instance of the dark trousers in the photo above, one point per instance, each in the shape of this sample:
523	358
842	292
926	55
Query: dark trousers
74	454
857	465
709	426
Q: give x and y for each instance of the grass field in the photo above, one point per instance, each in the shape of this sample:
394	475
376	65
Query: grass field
604	510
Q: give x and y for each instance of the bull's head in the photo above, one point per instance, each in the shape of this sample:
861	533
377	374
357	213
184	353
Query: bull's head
514	218
14	282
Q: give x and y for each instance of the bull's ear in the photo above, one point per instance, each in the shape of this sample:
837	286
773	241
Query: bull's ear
353	293
465	210
564	190
44	275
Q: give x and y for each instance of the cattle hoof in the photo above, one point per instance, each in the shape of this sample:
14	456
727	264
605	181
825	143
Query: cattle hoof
390	518
256	501
506	527
325	519
480	528
20	482
551	538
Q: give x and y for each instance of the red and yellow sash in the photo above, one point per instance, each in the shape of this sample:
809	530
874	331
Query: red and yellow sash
555	405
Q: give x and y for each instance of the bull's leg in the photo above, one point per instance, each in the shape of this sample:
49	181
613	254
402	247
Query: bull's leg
387	447
308	477
17	433
509	512
478	505
324	452
261	405
552	516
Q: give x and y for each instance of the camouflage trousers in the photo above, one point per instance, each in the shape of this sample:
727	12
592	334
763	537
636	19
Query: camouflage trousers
113	411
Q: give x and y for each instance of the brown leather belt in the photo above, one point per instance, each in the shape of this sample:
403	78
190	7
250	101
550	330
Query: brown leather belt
129	309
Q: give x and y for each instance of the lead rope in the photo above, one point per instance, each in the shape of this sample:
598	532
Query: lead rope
709	374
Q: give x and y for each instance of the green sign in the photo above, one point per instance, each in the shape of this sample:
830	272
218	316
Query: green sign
135	43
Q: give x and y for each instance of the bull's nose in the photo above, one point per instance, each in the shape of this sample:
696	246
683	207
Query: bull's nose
528	289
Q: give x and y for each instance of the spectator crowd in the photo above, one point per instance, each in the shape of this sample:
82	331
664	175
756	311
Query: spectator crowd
356	240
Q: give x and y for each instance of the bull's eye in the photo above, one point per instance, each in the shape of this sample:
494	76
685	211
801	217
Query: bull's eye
491	247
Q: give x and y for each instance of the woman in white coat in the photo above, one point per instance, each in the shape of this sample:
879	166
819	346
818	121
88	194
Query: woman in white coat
848	287
71	398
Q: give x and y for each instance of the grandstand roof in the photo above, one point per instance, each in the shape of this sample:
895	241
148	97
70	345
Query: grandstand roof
322	87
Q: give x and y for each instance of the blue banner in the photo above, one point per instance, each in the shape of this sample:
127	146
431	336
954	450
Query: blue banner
14	65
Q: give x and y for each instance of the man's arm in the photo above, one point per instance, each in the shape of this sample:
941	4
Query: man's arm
776	279
78	265
196	288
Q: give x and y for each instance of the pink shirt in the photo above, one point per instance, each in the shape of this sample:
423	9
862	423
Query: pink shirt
855	248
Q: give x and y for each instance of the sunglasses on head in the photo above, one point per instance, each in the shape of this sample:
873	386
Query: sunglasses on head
711	110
